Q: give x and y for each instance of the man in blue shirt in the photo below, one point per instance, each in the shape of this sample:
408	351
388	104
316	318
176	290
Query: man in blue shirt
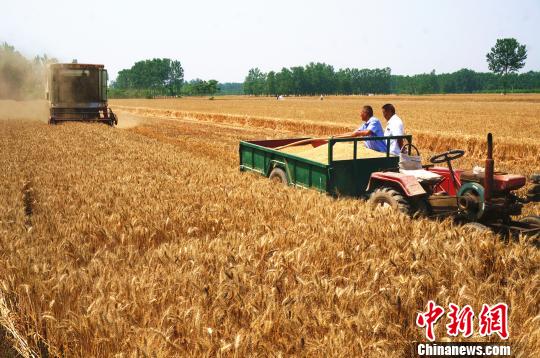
371	127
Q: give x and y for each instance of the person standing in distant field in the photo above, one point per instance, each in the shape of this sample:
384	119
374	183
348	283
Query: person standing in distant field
371	127
394	127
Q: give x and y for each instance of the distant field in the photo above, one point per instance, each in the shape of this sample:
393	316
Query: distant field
438	123
146	239
515	117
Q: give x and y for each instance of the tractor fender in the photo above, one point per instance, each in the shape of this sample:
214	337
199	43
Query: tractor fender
408	183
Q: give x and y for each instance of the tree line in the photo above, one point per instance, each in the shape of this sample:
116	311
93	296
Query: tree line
313	80
231	88
466	81
504	60
317	78
159	77
196	87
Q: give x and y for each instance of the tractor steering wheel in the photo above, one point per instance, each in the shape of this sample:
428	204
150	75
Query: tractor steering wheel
407	148
447	156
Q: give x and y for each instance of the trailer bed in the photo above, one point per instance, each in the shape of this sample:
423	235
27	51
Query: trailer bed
345	168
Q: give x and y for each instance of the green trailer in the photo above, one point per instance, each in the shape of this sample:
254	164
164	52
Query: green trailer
482	201
335	177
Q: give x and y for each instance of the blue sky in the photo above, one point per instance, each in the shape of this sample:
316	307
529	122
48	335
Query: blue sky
224	39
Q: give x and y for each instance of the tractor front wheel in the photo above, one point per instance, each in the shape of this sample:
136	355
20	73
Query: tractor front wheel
390	198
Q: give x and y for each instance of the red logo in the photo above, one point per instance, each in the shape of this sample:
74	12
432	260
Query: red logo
429	318
492	319
461	320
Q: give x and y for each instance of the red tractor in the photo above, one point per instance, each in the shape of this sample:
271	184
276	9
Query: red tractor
482	198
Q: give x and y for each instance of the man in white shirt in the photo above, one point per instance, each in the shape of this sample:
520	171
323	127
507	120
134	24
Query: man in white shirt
394	127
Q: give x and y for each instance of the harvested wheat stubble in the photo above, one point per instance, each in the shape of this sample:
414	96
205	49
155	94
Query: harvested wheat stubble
341	151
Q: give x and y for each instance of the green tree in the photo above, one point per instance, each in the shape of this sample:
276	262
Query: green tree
343	81
212	87
506	57
284	81
320	78
271	88
299	83
255	82
231	88
158	75
175	77
198	87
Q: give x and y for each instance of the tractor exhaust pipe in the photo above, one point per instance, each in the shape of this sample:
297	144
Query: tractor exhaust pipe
489	171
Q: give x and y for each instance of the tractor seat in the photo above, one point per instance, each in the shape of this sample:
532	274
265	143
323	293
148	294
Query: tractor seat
501	181
423	176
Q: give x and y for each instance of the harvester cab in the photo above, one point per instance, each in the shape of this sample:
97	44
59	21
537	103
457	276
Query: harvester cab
78	92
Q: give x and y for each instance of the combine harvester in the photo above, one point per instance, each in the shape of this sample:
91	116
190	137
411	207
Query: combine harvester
481	199
78	92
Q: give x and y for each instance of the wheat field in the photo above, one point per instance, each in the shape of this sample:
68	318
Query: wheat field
146	240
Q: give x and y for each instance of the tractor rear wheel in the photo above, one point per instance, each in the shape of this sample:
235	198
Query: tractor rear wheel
391	198
476	227
279	175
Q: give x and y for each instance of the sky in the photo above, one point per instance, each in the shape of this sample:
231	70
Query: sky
222	40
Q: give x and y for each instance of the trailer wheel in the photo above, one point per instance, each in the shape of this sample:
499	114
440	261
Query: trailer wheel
279	175
476	227
389	197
